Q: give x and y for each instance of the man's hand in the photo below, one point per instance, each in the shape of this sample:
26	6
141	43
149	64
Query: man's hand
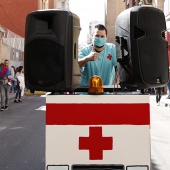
93	56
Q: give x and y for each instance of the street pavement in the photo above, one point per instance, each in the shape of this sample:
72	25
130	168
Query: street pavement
12	96
22	134
160	134
164	101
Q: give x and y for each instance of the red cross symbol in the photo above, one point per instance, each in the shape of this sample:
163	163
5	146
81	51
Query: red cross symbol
109	57
95	143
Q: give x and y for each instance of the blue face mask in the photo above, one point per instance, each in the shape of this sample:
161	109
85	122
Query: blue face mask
99	42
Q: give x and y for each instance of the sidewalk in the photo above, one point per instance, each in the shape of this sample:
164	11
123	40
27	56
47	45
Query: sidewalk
165	102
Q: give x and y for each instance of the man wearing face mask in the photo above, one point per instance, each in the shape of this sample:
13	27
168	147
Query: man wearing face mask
99	58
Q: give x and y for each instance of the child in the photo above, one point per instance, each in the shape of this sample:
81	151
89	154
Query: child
4	72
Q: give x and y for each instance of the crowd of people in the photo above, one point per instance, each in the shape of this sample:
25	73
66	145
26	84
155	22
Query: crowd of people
11	81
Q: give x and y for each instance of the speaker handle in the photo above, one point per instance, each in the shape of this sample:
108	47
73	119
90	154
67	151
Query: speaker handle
123	59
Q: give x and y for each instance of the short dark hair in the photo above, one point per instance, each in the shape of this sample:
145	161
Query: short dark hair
20	68
101	27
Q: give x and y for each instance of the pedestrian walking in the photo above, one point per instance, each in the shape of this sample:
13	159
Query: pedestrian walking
158	92
5	86
20	84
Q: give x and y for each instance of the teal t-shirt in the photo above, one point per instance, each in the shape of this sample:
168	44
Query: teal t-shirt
103	67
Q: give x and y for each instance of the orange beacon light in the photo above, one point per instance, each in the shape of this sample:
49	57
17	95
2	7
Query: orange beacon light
95	85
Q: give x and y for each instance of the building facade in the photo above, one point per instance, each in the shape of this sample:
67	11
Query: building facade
131	3
53	4
112	9
156	3
11	47
61	4
44	4
12	28
13	14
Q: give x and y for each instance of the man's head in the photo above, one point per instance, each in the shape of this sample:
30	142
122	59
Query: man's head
100	31
99	36
6	63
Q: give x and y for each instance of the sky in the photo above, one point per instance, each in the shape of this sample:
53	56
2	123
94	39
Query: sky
87	11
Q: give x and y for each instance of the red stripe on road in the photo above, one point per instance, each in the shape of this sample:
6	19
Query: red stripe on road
97	114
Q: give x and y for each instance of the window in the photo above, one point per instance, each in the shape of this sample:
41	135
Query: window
62	5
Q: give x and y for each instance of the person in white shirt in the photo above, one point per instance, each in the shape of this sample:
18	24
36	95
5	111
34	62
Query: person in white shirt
20	84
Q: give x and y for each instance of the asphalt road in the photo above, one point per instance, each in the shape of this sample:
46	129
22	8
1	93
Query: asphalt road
22	135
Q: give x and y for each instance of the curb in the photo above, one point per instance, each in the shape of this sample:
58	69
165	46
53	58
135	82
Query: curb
35	93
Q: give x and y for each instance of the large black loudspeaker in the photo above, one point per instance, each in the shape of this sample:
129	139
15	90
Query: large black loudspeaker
51	50
141	48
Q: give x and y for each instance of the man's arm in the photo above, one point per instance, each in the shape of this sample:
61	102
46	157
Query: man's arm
11	73
83	61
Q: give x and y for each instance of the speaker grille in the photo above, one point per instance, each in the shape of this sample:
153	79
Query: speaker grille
153	48
45	62
138	32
